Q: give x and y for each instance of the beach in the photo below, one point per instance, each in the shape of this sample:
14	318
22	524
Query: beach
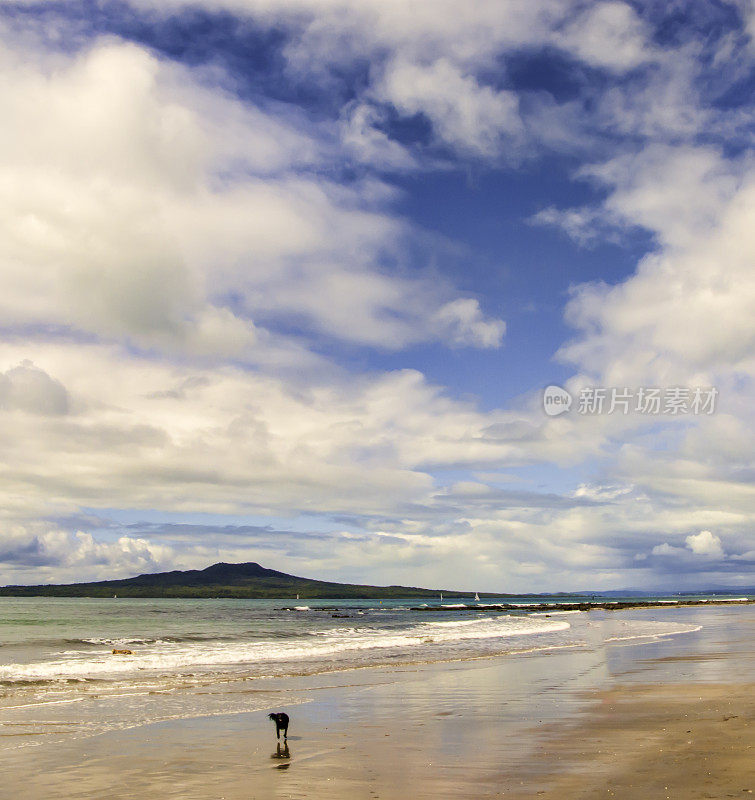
666	716
667	741
385	366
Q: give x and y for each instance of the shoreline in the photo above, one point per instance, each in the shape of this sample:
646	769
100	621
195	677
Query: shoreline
573	724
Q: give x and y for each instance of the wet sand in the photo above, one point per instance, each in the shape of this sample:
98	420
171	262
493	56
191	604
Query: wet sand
665	719
670	741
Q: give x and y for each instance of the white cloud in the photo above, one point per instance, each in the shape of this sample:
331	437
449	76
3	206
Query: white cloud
706	544
141	203
427	58
686	310
602	492
682	319
226	440
135	201
608	35
42	552
470	117
678	193
364	141
586	226
463	323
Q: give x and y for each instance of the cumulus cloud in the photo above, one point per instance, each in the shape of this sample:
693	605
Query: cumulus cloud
687	302
703	546
163	234
39	552
706	544
136	200
679	320
678	193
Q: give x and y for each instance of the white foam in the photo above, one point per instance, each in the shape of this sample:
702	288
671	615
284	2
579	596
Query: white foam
170	657
656	630
727	600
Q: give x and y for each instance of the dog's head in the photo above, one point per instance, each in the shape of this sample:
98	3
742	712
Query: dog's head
273	717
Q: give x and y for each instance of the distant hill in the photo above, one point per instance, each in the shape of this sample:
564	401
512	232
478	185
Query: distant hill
248	580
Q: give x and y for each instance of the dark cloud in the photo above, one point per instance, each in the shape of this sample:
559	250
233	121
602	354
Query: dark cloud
30	553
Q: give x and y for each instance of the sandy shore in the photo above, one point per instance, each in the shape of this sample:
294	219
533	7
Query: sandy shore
666	719
669	741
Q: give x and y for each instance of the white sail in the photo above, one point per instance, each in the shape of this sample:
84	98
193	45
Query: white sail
476	597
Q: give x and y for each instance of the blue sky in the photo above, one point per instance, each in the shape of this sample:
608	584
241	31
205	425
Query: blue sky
284	281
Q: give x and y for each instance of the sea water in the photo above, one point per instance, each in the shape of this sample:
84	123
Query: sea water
59	676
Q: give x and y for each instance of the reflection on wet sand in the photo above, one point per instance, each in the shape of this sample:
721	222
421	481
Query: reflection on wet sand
282	753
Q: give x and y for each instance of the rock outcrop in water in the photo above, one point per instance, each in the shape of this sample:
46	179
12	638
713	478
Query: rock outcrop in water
605	605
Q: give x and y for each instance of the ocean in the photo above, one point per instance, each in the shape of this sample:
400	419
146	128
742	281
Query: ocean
59	677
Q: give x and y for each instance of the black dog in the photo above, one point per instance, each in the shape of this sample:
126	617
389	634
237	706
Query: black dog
281	723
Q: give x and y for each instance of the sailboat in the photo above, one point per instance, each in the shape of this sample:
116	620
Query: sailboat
297	596
441	597
476	597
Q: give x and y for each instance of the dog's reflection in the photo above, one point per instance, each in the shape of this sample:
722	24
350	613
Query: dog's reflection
284	754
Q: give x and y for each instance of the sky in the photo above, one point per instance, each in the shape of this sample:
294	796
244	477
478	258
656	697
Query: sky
286	280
